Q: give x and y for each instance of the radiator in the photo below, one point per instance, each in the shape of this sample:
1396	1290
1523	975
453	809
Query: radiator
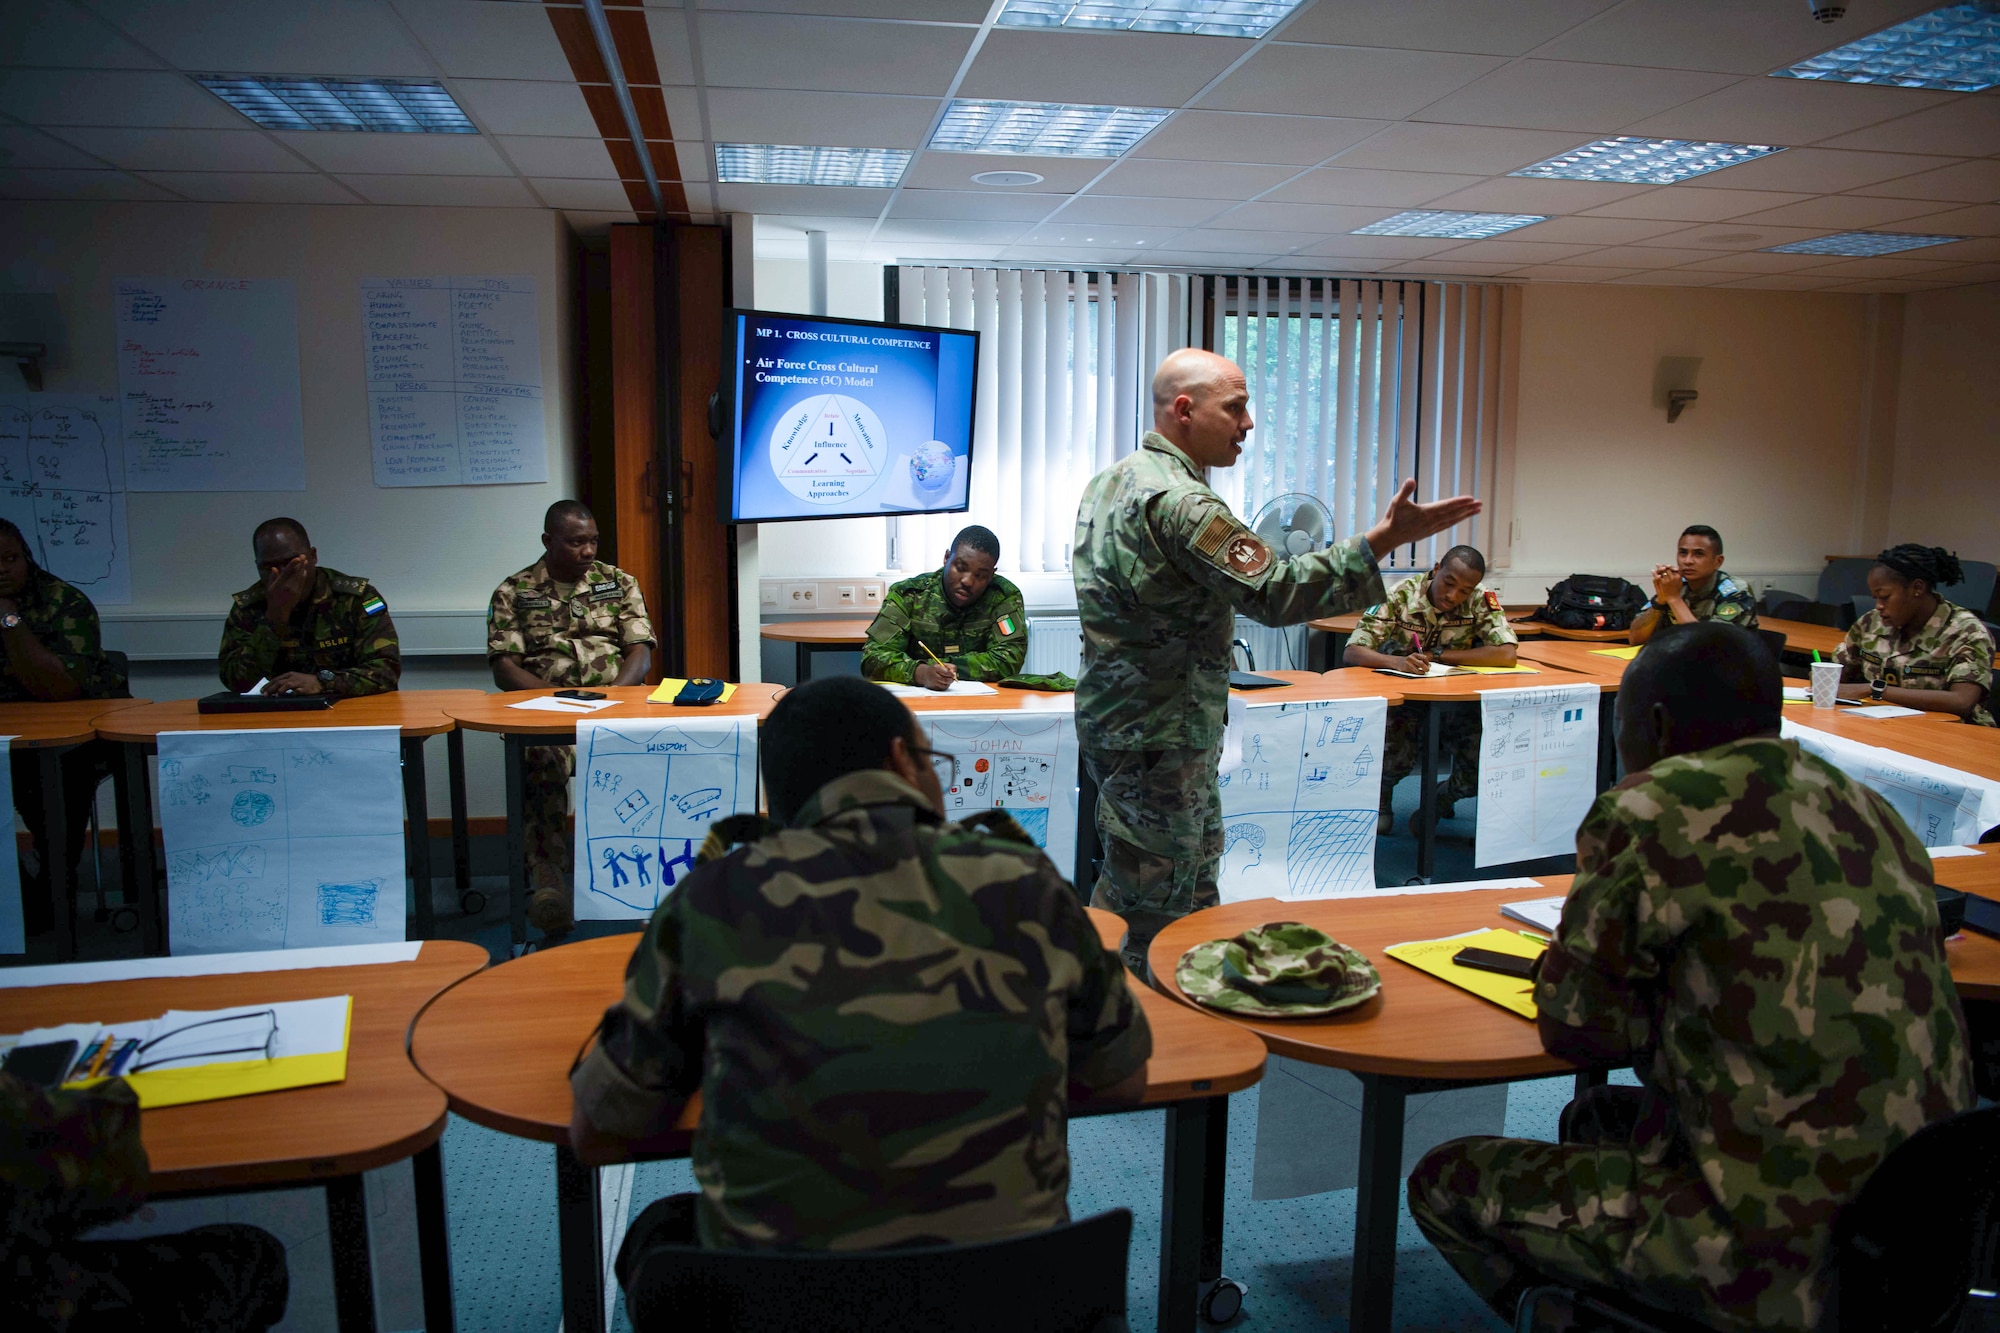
1055	643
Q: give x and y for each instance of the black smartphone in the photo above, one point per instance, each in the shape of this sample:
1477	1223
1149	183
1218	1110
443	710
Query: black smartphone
42	1064
578	694
1506	964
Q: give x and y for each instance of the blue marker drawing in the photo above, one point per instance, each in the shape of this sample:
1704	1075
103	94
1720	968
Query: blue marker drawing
349	904
251	808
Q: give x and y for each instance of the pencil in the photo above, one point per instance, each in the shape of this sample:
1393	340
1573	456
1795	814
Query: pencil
928	653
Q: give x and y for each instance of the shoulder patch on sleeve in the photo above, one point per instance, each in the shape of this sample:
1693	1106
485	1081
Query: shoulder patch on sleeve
374	606
1008	626
1492	599
1215	534
1246	555
1727	610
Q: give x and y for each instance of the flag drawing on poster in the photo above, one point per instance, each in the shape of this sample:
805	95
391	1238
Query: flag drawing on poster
1537	771
1020	762
13	921
1943	806
645	794
208	383
62	483
1299	806
282	839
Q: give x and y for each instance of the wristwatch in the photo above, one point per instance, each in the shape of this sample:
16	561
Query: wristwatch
325	678
1875	689
12	620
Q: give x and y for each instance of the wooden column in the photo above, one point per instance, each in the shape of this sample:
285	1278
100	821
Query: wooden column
699	554
635	414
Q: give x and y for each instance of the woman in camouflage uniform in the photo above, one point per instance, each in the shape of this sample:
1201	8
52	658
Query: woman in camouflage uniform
1915	648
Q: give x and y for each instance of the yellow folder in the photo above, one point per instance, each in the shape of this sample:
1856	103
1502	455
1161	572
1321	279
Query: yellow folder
669	688
1623	654
238	1078
1502	671
1434	957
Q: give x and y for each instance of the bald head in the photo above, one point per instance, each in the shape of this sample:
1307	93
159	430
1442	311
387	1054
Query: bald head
1201	403
1694	687
1192	371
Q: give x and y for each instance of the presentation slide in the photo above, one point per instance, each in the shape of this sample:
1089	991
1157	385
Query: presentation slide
838	417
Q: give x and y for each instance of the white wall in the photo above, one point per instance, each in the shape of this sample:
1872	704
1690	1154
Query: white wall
1947	473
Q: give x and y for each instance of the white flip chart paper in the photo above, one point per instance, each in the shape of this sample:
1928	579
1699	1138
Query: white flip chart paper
645	794
282	839
1023	763
454	380
1943	806
1299	804
62	483
208	379
13	926
1537	771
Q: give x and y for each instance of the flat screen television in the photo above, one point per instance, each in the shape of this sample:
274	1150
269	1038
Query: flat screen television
834	418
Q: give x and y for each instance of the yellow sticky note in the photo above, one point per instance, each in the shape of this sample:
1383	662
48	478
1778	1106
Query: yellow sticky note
1434	957
1622	654
1502	671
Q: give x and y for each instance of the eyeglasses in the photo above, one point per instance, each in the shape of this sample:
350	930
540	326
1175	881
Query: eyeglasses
944	765
263	1048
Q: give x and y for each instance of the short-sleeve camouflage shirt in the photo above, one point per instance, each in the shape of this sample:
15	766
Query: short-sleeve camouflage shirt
569	641
1949	648
342	626
987	640
882	1012
1409	613
1725	600
64	622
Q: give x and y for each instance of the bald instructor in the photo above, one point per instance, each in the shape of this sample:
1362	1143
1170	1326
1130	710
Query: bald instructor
1162	568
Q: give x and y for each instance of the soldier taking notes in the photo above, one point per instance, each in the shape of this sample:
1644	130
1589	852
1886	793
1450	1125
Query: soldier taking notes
961	622
1162	568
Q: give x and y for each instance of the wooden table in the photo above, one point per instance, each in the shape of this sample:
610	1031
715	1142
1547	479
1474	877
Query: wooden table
815	636
1338	628
1804	637
52	730
520	728
1938	737
320	1136
417	714
500	1045
1584	659
1973	954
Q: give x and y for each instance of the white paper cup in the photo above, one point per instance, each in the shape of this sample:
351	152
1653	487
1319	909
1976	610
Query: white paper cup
1825	684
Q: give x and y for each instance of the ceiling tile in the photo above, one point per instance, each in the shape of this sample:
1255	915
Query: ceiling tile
476	39
398	154
671	54
1718	34
587	194
1477	149
1509	251
1344	81
1981	220
1213	180
954	171
1785	111
252	187
1893	285
684	111
831	200
570	159
852	120
1524	194
1109	235
1651	256
784	51
1975	273
22	148
1735	235
937	252
108	97
1181	212
351	37
1196	261
1120	68
1969	126
1691	203
443	191
1396	189
1670	277
1442	25
1327	219
1596	231
1384	247
1819	170
1883	266
1564	95
1453	268
515	106
77	185
55	33
1978	249
697	160
921	206
1335	266
1062	255
1571	273
1235	136
930	229
1781	282
1757	261
1231	241
185	150
1964	182
1842	212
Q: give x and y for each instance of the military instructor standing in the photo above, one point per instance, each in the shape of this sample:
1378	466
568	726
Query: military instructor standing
1162	568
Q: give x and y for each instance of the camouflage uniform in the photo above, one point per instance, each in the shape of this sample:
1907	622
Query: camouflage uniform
71	1159
573	641
1394	628
1725	600
1162	567
1949	648
882	1012
986	641
342	625
1758	934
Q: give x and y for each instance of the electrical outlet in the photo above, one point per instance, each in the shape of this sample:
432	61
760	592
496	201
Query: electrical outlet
844	595
767	595
800	597
871	593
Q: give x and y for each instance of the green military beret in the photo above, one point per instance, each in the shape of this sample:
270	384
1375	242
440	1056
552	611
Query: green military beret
1283	969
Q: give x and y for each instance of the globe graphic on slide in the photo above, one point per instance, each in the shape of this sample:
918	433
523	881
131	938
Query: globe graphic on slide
931	466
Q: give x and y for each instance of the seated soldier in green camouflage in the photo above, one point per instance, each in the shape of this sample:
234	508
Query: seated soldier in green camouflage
961	622
1757	935
889	1017
1915	649
1445	616
1694	588
304	629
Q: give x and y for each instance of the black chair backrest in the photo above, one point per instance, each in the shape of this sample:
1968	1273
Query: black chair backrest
1844	577
1809	613
124	666
1774	642
1768	604
1921	1231
1068	1279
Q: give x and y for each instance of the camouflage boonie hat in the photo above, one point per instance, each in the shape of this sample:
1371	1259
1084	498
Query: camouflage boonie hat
1283	969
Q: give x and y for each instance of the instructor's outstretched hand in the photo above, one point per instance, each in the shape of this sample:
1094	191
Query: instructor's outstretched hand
1407	521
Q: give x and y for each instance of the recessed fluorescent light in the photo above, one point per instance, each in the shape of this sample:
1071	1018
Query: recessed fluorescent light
1862	243
1210	18
1956	48
1455	226
1645	161
789	164
1043	129
388	106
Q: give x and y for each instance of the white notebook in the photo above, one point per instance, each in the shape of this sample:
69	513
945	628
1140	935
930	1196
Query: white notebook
1544	914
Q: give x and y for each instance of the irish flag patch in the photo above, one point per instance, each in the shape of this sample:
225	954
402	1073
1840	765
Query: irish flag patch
374	606
1008	626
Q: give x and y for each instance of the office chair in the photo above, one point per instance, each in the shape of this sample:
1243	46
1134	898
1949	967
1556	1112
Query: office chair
1809	613
1844	579
1774	643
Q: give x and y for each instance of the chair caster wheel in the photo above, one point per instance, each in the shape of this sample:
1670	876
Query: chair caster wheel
1223	1300
125	920
472	902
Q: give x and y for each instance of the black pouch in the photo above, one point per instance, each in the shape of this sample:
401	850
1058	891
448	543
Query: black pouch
700	691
